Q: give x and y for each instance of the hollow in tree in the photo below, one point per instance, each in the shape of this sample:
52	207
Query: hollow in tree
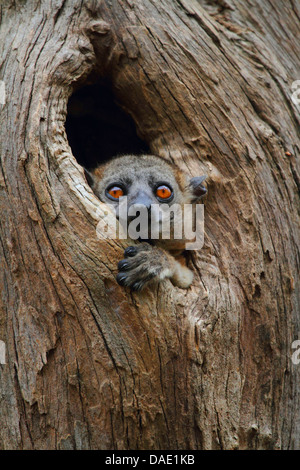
89	364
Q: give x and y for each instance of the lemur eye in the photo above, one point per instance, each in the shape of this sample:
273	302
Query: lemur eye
163	192
115	192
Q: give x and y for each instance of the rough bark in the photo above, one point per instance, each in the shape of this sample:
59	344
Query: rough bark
89	364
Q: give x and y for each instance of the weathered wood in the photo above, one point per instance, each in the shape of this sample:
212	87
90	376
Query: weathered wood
88	364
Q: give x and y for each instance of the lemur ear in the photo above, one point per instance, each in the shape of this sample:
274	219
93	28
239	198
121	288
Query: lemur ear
198	190
89	177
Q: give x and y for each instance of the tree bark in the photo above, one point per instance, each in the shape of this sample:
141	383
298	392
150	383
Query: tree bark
90	365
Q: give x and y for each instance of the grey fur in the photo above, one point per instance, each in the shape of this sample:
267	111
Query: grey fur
139	176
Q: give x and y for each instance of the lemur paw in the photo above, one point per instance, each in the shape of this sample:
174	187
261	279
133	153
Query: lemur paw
142	264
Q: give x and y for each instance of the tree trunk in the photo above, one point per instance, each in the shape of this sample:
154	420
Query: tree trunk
88	364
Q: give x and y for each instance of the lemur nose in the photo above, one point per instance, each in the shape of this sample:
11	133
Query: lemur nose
140	205
141	199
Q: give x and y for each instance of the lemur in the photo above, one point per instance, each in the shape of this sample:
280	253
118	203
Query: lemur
146	180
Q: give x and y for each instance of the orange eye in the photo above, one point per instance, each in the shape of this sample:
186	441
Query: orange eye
115	192
163	192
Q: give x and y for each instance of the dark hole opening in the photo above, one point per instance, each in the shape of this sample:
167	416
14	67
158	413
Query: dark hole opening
98	129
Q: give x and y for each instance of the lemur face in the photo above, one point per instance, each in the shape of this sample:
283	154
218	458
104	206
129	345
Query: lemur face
144	183
144	180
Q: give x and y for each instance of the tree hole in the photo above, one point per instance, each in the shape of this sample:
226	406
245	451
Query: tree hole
98	129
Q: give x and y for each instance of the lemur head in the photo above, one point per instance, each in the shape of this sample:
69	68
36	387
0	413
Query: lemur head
144	180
